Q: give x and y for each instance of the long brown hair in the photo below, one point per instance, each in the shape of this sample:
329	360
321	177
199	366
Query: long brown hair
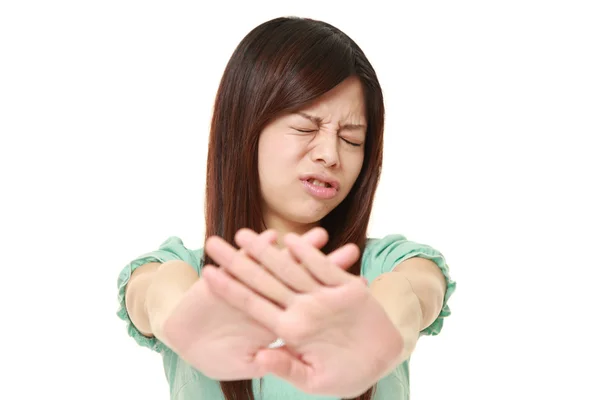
281	66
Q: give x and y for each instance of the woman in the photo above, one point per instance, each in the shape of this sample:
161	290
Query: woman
294	158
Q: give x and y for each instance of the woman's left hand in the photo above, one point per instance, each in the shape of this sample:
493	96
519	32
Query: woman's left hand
338	339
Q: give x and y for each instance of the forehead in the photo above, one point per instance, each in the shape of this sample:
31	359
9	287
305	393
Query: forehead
346	100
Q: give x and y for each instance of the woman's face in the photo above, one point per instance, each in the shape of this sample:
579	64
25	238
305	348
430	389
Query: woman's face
309	161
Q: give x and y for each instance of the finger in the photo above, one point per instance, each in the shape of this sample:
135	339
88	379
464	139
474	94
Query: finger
224	253
345	256
325	270
239	296
280	362
342	257
283	267
317	237
245	270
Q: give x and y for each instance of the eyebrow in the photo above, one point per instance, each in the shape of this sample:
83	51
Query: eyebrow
319	121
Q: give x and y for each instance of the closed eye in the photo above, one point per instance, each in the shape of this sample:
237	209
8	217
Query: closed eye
315	130
305	130
351	143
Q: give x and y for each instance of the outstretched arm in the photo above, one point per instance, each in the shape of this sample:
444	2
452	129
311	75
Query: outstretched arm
412	296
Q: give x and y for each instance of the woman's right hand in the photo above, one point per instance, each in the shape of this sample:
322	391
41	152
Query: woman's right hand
214	337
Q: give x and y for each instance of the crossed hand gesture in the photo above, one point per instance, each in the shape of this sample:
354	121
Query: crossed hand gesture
338	339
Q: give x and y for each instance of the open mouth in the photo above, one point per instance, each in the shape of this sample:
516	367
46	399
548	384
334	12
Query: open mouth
319	183
319	189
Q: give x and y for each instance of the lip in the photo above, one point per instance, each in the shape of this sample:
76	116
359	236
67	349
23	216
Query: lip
323	178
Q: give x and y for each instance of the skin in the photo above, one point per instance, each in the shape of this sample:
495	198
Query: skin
340	337
332	143
215	337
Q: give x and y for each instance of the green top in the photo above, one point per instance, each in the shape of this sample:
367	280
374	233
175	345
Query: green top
185	382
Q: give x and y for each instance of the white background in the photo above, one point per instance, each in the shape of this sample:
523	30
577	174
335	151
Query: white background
493	120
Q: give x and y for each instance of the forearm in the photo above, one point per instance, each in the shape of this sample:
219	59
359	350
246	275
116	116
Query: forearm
396	296
153	291
412	296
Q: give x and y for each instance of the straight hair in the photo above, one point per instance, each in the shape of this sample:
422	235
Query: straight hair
280	67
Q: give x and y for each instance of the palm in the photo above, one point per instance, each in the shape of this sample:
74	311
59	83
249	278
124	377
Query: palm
339	339
214	337
343	337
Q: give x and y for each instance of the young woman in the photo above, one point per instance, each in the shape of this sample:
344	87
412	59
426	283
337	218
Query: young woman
289	299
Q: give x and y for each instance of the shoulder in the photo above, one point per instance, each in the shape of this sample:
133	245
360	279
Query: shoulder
382	255
174	248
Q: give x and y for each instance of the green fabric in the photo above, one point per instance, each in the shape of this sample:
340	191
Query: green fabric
380	256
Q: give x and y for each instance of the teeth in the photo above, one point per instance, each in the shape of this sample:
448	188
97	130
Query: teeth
317	182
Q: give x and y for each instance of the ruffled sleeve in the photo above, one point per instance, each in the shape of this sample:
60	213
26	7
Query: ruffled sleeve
171	249
382	255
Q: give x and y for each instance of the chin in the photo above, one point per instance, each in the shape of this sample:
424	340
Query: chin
307	220
308	216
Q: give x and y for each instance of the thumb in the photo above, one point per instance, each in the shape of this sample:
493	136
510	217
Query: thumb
283	364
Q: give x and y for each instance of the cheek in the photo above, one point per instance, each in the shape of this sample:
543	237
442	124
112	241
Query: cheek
272	161
280	152
277	158
354	165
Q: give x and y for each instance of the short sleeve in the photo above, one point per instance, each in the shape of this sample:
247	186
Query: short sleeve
382	255
171	249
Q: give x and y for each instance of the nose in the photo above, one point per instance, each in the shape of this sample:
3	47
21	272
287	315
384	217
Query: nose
326	150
